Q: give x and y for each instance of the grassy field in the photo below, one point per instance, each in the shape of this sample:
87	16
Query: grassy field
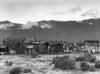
40	65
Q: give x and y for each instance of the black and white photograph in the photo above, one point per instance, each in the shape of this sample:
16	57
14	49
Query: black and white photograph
49	36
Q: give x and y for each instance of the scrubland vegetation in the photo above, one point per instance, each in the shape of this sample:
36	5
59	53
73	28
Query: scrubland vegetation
47	64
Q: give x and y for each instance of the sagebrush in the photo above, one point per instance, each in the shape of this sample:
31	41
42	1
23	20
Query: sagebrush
92	59
84	66
34	54
97	64
65	63
15	70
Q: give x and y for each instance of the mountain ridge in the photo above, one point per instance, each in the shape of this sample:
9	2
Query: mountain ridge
53	30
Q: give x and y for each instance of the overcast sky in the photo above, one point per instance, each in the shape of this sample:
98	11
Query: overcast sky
21	11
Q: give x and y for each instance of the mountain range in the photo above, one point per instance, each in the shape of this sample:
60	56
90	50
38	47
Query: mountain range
52	30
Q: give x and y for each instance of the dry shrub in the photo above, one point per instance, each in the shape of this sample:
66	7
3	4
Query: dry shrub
92	59
97	65
65	63
92	68
34	54
58	59
84	66
27	70
55	59
87	57
74	58
65	57
15	70
8	63
81	58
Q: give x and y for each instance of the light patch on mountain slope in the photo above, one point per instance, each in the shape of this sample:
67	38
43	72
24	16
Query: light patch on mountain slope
29	25
6	26
44	25
90	23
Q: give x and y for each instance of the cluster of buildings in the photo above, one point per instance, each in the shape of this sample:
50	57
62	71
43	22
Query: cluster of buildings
23	45
63	46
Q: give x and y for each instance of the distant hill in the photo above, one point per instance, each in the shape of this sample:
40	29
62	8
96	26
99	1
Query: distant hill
53	30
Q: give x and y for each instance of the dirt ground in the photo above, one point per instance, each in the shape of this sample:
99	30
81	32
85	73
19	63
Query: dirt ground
39	65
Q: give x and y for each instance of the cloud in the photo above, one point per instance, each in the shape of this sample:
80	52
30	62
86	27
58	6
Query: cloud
6	26
92	13
30	25
59	13
75	10
21	11
67	11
